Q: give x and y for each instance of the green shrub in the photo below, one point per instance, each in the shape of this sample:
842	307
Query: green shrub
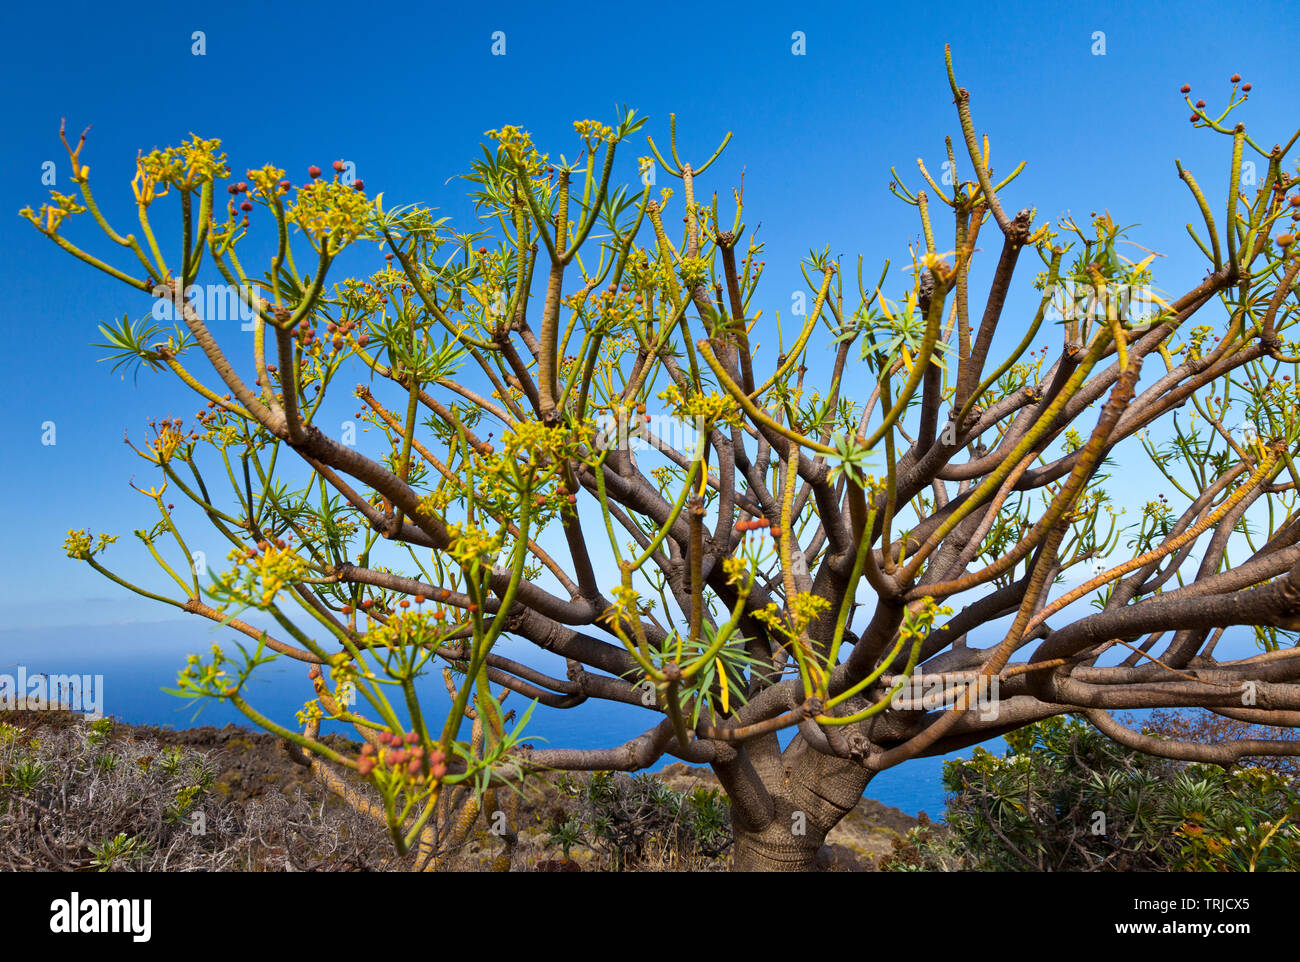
639	821
1064	797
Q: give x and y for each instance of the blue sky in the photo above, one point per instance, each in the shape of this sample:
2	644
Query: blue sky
406	93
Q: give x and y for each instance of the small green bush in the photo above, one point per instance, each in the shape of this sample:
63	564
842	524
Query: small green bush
640	822
1064	797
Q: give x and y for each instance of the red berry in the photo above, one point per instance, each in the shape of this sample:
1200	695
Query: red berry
1185	88
1245	88
246	206
419	599
313	171
365	766
1200	105
339	165
358	184
1235	78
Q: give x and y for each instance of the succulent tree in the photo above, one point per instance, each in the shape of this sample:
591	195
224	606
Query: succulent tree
810	551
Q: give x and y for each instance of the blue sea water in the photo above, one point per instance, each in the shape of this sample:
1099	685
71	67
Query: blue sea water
137	660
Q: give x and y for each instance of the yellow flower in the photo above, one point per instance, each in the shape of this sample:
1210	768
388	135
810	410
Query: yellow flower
331	214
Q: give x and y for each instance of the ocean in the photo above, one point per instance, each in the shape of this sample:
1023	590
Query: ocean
137	660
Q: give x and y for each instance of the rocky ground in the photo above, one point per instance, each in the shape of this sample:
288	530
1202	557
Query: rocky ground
253	766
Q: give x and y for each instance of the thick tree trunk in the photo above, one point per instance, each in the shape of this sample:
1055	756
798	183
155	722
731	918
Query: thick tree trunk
776	849
810	793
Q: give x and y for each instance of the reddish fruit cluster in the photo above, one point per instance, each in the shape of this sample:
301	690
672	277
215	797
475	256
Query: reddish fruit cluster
1185	89
339	166
419	599
313	171
754	525
1235	78
398	752
358	184
338	334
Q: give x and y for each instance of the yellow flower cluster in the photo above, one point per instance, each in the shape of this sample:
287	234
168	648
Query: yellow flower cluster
435	502
404	628
1199	336
209	678
169	438
917	624
693	271
518	144
267	180
49	218
268	571
735	569
194	163
470	543
78	543
712	408
593	131
539	443
331	214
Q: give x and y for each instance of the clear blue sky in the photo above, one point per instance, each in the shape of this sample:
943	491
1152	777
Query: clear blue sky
406	92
